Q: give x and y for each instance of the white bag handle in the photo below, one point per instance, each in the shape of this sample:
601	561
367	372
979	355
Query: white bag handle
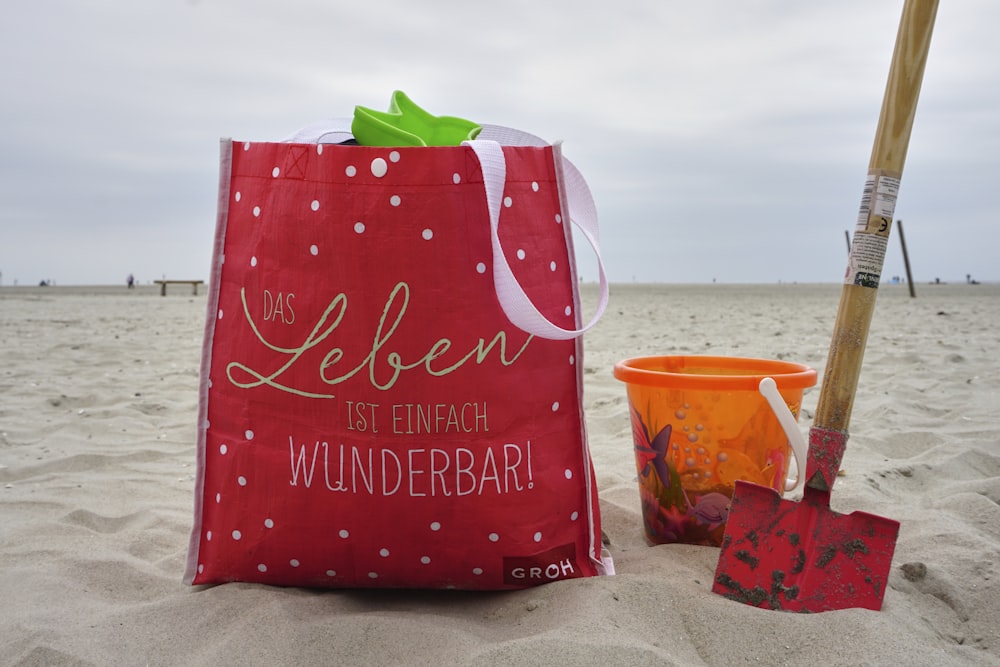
515	303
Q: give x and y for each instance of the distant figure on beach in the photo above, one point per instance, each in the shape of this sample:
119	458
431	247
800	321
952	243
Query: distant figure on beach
969	280
130	281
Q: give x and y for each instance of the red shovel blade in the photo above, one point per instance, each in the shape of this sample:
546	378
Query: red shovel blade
803	556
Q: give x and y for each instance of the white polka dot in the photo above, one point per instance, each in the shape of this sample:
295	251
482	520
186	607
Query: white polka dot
246	146
351	171
395	200
569	310
379	167
237	535
572	360
253	261
534	186
552	266
477	571
241	480
269	523
521	254
208	536
331	573
248	434
314	205
507	202
456	178
435	525
394	156
256	211
373	575
568	473
537	537
262	568
313	250
384	553
239	196
494	537
428	234
359	227
275	172
480	268
344	534
425	560
574	516
223	449
218	498
201	568
558	218
555	406
294	562
319	149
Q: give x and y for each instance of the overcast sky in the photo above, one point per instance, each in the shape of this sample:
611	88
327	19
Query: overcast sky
722	139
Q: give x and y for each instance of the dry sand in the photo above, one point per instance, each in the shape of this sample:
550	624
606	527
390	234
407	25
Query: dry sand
98	390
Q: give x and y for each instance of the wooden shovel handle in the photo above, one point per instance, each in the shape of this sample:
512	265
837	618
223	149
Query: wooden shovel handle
857	300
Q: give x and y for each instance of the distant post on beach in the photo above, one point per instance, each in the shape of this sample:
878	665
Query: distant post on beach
906	259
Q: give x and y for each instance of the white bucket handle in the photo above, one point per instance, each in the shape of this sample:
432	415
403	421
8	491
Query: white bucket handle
769	390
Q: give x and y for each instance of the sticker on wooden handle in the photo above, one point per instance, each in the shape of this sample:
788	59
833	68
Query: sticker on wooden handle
871	234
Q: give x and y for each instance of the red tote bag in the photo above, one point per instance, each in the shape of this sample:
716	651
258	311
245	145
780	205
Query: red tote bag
391	388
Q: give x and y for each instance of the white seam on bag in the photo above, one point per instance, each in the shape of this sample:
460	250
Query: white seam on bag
211	317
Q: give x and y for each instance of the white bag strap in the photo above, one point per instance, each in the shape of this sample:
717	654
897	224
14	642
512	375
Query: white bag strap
515	303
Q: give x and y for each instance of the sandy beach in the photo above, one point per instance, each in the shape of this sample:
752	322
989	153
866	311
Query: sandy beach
97	467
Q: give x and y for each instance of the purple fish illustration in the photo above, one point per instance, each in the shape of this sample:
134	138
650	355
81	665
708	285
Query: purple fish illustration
711	508
654	452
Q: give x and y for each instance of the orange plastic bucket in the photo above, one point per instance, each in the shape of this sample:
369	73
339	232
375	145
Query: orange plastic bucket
700	423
